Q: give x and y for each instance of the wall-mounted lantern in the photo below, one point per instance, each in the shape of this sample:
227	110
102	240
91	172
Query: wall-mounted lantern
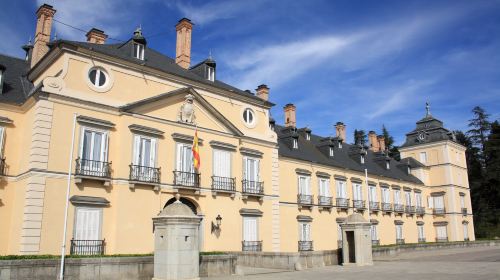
216	226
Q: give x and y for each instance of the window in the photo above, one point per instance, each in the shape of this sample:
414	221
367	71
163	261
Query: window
139	51
438	202
184	158
331	152
87	224
251	169
98	77
397	197
305	231
248	116
295	143
421	235
210	73
423	157
340	144
304	185
466	231
373	231
250	230
408	198
222	163
372	194
462	201
386	195
357	191
339	233
418	199
387	165
341	189
441	232
362	159
94	148
324	187
399	231
308	136
144	151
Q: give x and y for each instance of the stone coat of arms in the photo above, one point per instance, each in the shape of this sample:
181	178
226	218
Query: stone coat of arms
186	112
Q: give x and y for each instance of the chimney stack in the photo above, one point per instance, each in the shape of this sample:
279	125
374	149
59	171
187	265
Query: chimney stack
44	15
374	143
290	118
381	142
263	92
340	130
96	36
184	29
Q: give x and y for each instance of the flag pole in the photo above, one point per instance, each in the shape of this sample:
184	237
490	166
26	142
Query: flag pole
65	227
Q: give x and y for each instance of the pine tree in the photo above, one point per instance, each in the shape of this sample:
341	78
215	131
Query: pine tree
389	144
490	189
480	126
360	137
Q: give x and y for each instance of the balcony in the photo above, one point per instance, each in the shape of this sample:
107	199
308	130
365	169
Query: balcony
386	207
251	246
441	239
359	204
305	200
438	211
410	210
305	245
399	208
325	201
87	247
374	206
187	180
464	211
400	241
421	240
376	242
2	167
93	170
223	185
343	203
252	188
420	210
144	175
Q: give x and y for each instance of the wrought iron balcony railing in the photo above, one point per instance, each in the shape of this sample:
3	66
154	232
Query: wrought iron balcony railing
399	208
400	241
420	210
253	187
223	184
305	199
421	240
87	247
438	211
358	204
186	179
387	207
144	174
375	242
305	245
464	211
2	167
251	246
374	206
343	203
441	239
325	201
410	209
92	168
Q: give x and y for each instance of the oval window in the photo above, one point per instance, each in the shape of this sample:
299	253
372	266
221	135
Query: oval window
98	77
248	116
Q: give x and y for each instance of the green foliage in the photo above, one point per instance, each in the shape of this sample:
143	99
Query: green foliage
389	144
360	137
33	257
212	253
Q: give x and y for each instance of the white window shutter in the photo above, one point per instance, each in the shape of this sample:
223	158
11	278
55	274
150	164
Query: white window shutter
152	157
430	202
137	149
105	145
2	139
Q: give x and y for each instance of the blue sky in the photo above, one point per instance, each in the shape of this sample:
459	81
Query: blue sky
365	63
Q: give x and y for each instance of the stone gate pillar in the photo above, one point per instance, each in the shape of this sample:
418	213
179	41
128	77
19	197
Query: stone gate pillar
176	254
356	241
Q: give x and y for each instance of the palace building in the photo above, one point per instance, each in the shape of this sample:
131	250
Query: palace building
116	123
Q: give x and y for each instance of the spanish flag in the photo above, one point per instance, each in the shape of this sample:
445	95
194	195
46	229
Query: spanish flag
196	151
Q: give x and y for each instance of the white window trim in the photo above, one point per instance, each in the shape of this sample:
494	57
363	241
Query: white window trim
254	120
256	228
154	149
308	184
214	163
106	142
309	231
109	77
210	73
139	54
245	160
344	189
75	217
177	157
327	183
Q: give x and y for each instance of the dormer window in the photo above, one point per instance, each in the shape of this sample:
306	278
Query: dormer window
139	51
295	143
308	136
387	165
331	151
340	144
362	159
409	170
2	69
210	73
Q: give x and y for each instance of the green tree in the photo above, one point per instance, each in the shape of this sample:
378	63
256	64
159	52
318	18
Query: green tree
479	128
360	137
389	144
490	189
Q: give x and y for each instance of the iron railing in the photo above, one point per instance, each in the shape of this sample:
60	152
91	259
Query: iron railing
2	167
342	202
253	187
400	241
305	245
441	239
87	247
387	207
305	199
93	168
186	179
223	184
420	210
438	211
375	242
358	204
399	208
252	246
325	200
144	174
464	211
410	209
421	240
374	206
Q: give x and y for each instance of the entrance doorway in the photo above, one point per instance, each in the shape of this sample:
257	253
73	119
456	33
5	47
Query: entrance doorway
351	246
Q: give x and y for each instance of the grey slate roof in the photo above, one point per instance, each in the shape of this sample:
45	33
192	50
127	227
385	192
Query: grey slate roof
16	86
309	151
432	129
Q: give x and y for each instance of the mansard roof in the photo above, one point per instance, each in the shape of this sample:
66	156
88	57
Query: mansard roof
16	86
310	150
428	130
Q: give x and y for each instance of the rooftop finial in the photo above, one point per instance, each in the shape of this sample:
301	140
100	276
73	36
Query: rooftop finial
427	109
210	54
138	31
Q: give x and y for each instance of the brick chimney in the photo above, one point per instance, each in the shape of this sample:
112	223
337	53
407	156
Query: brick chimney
96	36
381	142
340	130
44	16
374	143
290	118
263	92
184	29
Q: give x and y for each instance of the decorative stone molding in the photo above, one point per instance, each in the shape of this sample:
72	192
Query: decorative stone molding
222	145
340	220
145	130
89	200
275	208
420	223
438	193
185	138
407	189
304	218
465	222
356	180
395	187
374	221
443	223
302	171
322	174
417	190
251	212
340	177
373	183
384	185
461	194
5	120
398	222
95	122
251	152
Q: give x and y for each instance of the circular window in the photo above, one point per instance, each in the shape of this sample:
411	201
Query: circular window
248	116
98	77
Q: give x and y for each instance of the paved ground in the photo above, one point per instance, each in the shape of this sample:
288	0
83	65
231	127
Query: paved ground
453	264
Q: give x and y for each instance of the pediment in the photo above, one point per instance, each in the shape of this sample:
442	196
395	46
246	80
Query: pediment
167	106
